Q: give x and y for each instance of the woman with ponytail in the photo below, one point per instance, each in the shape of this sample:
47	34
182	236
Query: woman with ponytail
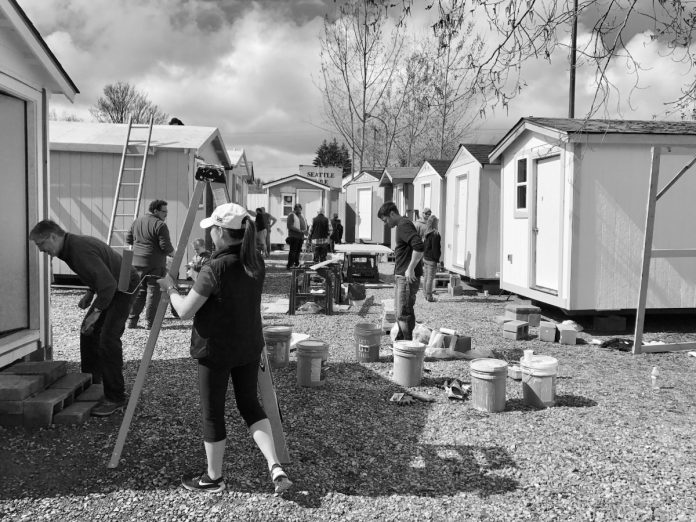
227	340
431	256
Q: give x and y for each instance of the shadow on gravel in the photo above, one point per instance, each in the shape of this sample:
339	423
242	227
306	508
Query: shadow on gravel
568	401
345	437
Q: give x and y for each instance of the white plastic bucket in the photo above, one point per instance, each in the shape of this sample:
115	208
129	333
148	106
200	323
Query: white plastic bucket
408	363
488	379
539	380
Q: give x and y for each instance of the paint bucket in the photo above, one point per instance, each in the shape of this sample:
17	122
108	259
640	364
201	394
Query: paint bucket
488	378
539	380
408	363
367	338
312	355
277	340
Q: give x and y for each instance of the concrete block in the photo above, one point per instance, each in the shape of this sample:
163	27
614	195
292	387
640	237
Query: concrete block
76	413
94	393
609	323
78	382
463	343
19	387
534	319
522	308
501	319
12	407
516	330
567	334
39	409
468	290
51	371
455	290
11	419
547	331
454	280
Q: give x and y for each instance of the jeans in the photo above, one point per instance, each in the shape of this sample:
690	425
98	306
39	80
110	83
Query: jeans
101	352
213	380
404	300
148	295
295	249
429	271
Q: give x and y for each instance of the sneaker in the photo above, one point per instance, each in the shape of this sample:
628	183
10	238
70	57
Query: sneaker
107	407
281	482
132	324
202	482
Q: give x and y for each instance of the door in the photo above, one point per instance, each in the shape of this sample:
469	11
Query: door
547	224
425	198
14	254
365	213
461	202
311	201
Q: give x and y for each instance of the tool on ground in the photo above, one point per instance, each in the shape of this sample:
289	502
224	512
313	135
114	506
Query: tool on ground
212	176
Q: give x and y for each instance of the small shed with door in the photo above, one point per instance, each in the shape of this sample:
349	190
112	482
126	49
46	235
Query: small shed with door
364	196
85	162
284	193
29	75
471	233
573	211
429	188
399	180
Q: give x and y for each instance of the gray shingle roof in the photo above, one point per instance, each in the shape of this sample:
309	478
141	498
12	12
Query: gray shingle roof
616	126
440	166
479	151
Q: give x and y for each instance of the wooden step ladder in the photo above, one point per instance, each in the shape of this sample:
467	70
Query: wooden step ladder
129	184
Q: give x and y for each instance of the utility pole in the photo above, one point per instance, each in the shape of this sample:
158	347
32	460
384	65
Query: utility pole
573	52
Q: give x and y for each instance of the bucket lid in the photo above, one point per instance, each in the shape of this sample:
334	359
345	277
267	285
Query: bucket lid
279	329
540	362
367	327
312	345
488	365
409	346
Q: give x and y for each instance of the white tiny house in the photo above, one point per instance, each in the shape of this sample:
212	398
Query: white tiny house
429	188
573	211
364	196
29	75
471	233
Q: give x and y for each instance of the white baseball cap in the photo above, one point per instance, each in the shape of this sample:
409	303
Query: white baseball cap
229	215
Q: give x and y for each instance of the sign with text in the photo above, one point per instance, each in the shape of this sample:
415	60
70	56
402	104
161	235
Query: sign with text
330	176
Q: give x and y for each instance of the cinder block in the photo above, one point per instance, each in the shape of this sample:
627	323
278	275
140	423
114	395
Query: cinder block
547	331
609	323
39	409
567	334
78	382
454	280
534	319
94	393
516	330
501	319
468	290
75	413
51	371
463	343
11	419
455	290
19	387
12	407
522	308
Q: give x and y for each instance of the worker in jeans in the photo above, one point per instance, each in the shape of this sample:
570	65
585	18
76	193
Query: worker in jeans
408	253
297	230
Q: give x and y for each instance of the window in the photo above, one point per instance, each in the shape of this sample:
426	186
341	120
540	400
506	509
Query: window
288	203
521	185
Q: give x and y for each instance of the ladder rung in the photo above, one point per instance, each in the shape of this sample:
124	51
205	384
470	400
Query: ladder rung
134	155
136	141
140	126
129	184
120	230
128	199
124	215
132	168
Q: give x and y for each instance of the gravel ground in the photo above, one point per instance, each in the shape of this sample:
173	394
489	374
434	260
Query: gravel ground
611	449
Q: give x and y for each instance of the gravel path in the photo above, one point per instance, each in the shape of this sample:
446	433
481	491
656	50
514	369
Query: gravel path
611	449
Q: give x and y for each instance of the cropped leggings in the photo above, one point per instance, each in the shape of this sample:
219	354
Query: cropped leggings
213	379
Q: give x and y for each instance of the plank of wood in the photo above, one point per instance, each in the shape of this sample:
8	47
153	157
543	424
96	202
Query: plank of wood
673	347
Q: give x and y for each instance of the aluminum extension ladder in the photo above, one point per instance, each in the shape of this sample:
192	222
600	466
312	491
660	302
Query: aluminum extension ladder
129	184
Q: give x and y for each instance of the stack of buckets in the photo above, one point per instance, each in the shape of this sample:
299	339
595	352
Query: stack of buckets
367	339
408	363
312	357
277	340
539	380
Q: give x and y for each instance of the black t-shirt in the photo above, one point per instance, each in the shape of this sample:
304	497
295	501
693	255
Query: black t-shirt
407	240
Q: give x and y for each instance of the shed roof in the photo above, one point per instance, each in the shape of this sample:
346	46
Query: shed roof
295	177
20	22
479	152
440	166
368	175
577	126
398	175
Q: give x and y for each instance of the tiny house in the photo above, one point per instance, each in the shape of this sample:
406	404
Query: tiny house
399	180
284	193
364	196
573	212
429	188
29	75
471	236
85	159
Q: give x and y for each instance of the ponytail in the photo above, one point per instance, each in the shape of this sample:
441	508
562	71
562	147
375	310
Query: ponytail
249	255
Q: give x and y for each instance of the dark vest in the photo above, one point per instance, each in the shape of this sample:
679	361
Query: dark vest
230	320
320	227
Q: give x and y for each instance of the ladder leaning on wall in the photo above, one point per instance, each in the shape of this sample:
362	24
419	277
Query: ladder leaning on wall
129	184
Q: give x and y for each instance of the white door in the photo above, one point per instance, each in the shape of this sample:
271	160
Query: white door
365	214
311	201
425	198
14	276
460	210
547	227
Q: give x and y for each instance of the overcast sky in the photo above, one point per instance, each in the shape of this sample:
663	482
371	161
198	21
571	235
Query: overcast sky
249	69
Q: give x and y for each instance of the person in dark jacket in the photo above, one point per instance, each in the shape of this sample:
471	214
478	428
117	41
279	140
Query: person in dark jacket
337	232
319	234
261	232
431	256
98	266
297	230
149	236
227	339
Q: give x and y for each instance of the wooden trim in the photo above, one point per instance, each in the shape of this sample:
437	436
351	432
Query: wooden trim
673	252
17	345
671	347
